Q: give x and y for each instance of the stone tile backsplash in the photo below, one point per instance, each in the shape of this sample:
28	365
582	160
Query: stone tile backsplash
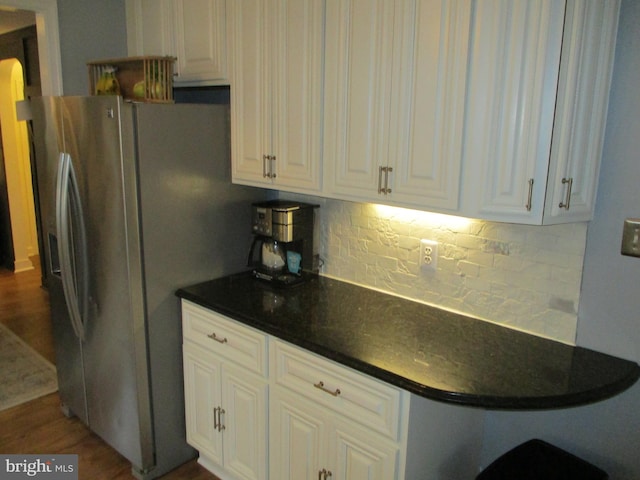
524	277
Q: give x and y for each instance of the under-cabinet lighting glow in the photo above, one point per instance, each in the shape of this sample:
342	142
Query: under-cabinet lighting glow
423	218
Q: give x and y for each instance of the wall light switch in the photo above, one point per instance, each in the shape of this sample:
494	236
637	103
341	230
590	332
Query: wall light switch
631	237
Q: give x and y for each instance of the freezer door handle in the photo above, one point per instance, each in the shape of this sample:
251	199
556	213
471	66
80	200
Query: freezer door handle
72	241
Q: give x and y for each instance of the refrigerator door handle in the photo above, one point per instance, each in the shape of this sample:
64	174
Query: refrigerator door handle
73	268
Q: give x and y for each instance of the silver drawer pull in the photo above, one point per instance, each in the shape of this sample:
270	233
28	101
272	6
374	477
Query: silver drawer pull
213	336
320	385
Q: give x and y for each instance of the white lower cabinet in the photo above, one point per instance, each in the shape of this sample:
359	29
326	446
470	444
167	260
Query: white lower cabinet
329	422
308	443
226	415
260	408
225	403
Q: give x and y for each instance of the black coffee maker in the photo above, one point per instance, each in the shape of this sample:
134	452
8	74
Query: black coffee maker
284	248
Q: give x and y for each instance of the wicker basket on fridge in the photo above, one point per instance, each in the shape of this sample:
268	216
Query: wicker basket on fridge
139	79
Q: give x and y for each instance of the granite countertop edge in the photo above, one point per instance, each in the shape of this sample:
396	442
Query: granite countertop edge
498	402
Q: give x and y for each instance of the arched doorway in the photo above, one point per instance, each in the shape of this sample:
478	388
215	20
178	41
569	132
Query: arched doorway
48	41
17	163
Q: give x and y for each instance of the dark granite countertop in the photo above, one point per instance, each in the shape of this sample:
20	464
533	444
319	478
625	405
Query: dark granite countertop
433	353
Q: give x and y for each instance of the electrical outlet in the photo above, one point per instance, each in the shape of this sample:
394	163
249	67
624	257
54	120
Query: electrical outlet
428	254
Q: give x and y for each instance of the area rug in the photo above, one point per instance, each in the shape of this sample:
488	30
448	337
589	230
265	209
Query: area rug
24	373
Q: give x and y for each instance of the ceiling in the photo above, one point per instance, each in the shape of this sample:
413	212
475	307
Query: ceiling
13	19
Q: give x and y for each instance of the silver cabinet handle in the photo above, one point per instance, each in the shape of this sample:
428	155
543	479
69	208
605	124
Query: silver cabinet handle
217	418
221	412
387	190
267	166
272	169
530	195
213	336
567	199
384	190
320	386
324	474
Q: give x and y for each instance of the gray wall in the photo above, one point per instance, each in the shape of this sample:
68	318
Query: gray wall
89	30
606	433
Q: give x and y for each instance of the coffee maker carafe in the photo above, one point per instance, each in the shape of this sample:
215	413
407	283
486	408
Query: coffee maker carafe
284	247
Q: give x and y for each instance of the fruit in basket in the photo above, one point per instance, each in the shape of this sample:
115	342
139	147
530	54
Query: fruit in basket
139	89
108	83
156	90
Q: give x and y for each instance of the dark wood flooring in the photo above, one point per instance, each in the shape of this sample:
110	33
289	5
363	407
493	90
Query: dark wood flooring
38	426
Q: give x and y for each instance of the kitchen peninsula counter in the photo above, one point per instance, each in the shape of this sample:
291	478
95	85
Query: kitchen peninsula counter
430	352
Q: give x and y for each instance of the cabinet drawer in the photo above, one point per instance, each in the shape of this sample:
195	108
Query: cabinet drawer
357	396
241	344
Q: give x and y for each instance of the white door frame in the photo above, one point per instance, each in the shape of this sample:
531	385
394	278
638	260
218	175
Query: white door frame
48	41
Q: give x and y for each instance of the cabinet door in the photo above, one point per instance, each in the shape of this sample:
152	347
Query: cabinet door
297	434
244	420
150	27
358	66
276	97
360	455
395	88
306	439
585	77
296	61
515	56
202	396
251	108
201	42
427	109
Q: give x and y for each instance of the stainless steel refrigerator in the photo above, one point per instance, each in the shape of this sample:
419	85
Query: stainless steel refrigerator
136	201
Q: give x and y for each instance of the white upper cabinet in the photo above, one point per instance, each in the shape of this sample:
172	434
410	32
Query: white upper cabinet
201	41
358	67
276	99
490	109
581	110
150	29
537	97
428	100
394	100
193	31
